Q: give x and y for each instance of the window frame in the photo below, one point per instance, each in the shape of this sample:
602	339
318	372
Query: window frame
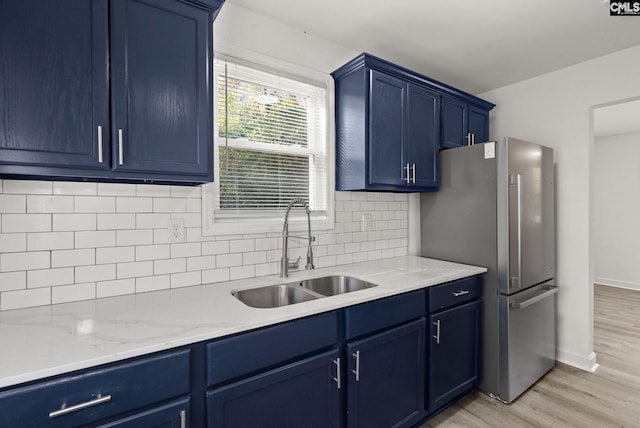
264	221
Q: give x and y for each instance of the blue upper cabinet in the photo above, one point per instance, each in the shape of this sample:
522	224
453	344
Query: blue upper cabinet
161	122
54	86
107	90
391	122
463	123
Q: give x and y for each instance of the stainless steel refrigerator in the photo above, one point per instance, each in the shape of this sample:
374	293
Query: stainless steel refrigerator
495	208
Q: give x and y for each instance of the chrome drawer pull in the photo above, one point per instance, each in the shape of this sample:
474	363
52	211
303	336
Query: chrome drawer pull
357	370
100	144
406	168
66	410
183	419
120	151
459	293
437	336
337	378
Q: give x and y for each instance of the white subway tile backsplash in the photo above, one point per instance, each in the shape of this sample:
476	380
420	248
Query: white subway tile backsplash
74	188
186	279
64	258
27	187
95	204
13	242
161	267
49	277
25	298
134	237
49	241
13	281
116	189
26	223
95	273
97	239
152	252
153	190
72	241
153	283
115	255
152	221
215	275
116	221
201	263
116	288
16	204
73	292
10	262
134	205
49	204
74	222
190	249
134	269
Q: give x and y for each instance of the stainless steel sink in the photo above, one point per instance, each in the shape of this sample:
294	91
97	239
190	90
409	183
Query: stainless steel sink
273	296
332	285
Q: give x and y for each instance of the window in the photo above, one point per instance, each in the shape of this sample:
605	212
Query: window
271	145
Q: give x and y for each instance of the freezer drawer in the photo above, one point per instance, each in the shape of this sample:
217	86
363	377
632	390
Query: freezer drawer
527	338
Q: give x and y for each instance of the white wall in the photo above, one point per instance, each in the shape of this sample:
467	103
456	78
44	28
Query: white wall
616	204
556	110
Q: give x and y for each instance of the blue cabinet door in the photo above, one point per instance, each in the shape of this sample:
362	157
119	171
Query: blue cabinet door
387	129
386	381
454	123
172	415
53	86
423	136
454	353
301	394
161	121
479	124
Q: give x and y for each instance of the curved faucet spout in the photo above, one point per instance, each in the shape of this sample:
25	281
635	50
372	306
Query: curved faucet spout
284	260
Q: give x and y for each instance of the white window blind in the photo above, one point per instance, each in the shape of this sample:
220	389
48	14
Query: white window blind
270	144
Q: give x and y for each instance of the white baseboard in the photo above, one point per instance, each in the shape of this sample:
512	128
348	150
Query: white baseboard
582	362
617	283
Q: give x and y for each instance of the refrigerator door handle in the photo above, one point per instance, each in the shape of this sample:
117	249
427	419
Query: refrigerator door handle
535	299
517	180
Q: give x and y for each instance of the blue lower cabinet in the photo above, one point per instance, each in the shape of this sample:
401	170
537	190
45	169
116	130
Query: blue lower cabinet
386	380
172	415
454	353
301	394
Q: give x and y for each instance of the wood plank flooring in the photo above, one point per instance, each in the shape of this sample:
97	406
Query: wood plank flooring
566	396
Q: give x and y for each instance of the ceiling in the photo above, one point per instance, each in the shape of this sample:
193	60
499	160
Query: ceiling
473	45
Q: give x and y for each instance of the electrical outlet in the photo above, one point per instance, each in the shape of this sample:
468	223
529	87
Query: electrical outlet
367	223
175	230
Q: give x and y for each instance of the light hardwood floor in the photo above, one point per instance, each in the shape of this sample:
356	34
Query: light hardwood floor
566	396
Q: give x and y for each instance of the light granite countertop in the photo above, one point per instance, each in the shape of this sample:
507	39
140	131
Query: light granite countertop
45	341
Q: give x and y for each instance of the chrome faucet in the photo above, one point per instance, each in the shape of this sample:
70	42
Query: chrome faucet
284	260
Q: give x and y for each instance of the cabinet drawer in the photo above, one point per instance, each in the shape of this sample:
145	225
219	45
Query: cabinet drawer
454	293
384	313
249	352
97	394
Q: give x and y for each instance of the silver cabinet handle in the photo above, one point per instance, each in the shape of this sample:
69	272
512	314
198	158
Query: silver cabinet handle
413	174
99	144
459	293
473	139
66	410
120	155
406	168
183	419
468	138
357	370
437	336
337	378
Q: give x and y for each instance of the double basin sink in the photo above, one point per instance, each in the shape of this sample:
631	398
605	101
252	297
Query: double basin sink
274	296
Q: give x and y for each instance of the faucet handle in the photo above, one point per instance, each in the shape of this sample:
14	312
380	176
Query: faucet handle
294	265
